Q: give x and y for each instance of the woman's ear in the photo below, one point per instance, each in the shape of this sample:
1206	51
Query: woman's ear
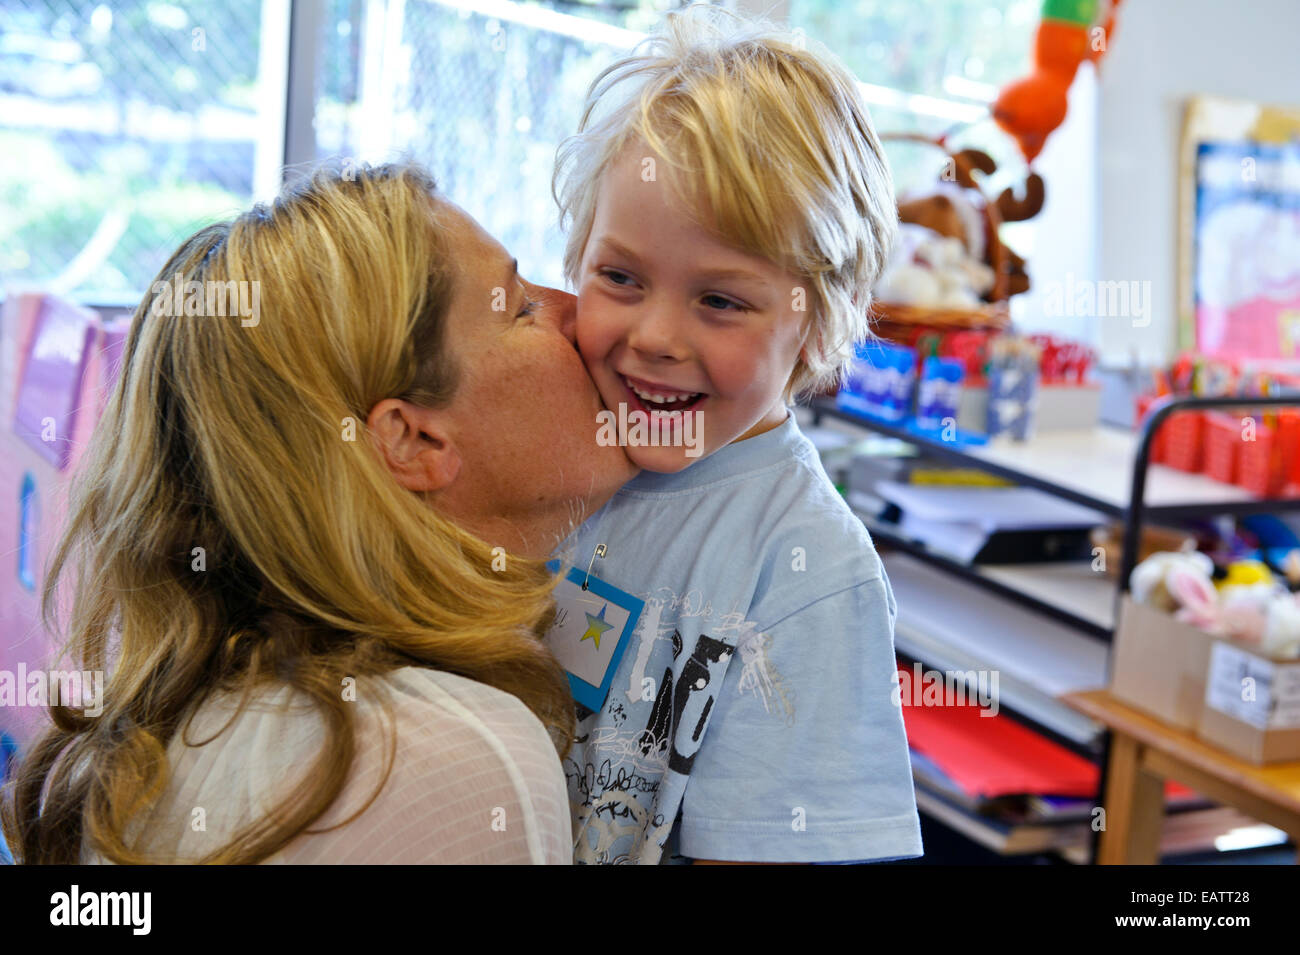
415	444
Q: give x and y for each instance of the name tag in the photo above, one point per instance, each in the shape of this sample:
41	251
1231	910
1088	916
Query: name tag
591	630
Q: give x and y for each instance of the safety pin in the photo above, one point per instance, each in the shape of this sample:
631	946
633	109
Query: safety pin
600	552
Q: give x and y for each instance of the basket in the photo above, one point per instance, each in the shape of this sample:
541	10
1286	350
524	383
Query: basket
895	319
1183	445
1223	446
1265	466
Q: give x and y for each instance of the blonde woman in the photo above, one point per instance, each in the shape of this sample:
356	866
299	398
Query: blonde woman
307	549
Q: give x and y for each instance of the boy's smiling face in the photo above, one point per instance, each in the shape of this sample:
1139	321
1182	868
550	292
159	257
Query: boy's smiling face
666	310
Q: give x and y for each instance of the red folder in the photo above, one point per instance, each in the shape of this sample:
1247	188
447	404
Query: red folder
991	756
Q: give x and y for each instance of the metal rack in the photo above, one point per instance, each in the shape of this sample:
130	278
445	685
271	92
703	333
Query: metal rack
1133	509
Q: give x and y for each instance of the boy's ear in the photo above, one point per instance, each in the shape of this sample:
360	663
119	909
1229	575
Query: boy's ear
415	444
813	335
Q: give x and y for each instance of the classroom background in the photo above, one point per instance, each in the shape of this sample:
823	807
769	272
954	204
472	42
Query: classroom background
1075	440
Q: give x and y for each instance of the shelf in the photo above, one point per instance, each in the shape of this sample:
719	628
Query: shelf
1037	659
1001	837
1092	467
1050	639
1069	591
1071	586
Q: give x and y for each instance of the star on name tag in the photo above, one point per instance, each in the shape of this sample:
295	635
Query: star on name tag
591	630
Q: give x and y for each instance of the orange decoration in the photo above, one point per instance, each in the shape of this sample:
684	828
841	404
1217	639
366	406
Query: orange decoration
1030	108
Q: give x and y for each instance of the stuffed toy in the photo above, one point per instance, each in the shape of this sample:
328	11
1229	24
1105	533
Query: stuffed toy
932	270
1169	580
954	207
1247	605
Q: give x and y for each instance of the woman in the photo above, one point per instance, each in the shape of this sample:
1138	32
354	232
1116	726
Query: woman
289	544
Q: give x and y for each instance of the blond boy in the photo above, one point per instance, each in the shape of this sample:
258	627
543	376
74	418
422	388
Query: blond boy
729	209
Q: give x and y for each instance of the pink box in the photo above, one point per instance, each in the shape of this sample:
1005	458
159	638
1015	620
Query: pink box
57	363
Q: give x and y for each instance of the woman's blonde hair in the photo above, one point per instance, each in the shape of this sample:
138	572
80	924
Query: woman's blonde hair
234	527
773	141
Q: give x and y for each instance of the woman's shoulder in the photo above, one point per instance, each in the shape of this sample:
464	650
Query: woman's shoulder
430	702
452	692
474	778
430	709
462	754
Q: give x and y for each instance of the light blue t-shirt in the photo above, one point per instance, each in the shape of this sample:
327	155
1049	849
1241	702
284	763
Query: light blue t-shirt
750	716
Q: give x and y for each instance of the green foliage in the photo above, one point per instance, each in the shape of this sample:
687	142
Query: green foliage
52	210
159	59
912	46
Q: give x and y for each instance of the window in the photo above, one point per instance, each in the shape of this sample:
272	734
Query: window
480	91
124	128
931	67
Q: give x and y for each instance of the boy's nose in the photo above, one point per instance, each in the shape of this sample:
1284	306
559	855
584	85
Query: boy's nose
562	310
657	336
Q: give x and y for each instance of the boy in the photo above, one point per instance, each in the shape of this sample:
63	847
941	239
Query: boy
729	209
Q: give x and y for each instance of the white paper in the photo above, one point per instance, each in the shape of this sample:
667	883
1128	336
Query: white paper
1026	647
989	508
1276	688
959	540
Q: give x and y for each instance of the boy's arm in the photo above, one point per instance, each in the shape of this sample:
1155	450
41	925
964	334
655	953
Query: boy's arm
722	862
806	757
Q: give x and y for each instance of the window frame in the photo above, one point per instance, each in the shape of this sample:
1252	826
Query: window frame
295	32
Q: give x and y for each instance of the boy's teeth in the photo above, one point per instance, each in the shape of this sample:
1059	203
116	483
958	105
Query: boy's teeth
659	399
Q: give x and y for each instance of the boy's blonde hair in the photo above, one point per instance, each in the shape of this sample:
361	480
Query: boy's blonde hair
777	146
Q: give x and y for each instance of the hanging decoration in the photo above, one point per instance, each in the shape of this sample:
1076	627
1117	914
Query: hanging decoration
1070	31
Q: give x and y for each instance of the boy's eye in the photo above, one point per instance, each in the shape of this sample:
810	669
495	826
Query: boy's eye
621	279
528	307
723	304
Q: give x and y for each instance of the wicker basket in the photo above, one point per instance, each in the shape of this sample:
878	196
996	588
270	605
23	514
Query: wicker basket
993	316
899	320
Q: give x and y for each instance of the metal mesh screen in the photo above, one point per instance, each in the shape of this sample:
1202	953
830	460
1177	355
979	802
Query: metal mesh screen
481	93
124	127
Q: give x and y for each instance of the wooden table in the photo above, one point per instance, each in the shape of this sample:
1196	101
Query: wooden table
1146	751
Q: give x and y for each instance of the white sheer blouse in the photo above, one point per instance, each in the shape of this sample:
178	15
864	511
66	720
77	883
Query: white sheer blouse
475	778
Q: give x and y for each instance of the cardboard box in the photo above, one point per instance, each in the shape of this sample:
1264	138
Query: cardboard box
1067	407
1229	694
1159	665
1055	408
1252	704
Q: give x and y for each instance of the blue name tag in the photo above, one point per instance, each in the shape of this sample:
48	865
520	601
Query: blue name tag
592	628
